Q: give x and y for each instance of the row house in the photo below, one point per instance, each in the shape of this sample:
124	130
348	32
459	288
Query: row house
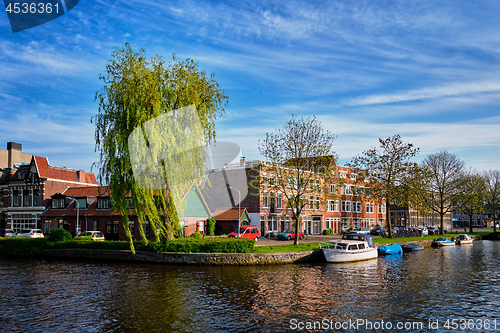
78	209
26	190
412	217
342	209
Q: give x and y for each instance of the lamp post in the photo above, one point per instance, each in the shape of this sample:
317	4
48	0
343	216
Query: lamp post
239	204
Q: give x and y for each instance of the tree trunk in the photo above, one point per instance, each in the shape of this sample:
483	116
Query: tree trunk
470	223
388	218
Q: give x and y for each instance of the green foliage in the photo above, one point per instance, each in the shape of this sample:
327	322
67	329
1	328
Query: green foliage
196	234
328	231
211	226
135	91
204	245
22	246
388	175
60	235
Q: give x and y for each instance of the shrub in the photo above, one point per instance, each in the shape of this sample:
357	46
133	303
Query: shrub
22	246
196	234
60	235
328	232
204	245
211	226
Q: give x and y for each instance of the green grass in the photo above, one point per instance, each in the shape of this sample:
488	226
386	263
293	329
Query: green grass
286	248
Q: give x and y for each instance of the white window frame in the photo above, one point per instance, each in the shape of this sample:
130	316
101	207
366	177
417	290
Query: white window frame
346	206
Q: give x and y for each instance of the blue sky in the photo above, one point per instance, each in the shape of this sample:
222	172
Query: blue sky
427	70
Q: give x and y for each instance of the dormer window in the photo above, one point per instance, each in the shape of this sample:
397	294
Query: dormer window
103	203
81	203
343	174
57	203
353	176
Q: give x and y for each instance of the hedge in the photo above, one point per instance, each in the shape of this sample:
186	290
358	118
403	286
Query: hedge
31	246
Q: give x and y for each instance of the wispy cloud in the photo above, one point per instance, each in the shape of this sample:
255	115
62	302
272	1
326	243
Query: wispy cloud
428	93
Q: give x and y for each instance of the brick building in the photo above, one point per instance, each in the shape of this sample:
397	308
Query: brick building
26	190
267	206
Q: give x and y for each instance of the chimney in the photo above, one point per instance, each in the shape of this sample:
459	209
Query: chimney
81	176
242	161
12	148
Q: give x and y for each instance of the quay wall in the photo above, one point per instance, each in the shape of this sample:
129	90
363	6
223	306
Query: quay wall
215	259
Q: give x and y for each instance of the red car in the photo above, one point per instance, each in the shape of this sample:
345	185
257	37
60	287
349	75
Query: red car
290	235
246	231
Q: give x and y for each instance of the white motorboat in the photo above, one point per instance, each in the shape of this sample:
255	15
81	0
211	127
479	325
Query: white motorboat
464	239
352	247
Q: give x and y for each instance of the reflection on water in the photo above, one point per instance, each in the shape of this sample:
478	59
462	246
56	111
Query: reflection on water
83	296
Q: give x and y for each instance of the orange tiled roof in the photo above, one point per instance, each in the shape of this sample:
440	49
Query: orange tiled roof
225	214
50	172
86	191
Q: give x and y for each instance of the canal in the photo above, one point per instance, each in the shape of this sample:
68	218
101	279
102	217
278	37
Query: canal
451	289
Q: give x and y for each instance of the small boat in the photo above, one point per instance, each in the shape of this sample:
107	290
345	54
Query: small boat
464	239
352	247
390	249
412	247
443	242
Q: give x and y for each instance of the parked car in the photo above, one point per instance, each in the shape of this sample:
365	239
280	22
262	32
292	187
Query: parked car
90	235
30	233
246	231
378	231
290	235
432	230
423	231
7	232
361	231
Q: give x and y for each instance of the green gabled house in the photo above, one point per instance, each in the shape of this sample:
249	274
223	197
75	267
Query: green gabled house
196	212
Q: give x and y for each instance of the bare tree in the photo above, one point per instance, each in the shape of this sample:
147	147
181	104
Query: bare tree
492	196
470	197
297	155
386	171
445	172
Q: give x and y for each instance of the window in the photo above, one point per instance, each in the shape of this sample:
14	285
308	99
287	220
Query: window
145	227
15	198
333	188
346	189
265	200
81	203
346	206
287	223
272	223
130	203
131	228
311	202
381	209
103	203
318	185
356	207
352	176
333	205
317	202
96	225
279	201
57	203
311	185
369	207
265	181
381	222
36	198
26	198
355	223
343	174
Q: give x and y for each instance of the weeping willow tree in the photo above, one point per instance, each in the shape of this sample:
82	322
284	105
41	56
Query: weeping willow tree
153	119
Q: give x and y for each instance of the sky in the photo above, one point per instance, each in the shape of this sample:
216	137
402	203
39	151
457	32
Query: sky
427	70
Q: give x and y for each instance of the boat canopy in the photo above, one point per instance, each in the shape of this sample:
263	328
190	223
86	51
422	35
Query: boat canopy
360	237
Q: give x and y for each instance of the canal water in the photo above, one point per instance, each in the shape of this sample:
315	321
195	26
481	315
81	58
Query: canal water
453	289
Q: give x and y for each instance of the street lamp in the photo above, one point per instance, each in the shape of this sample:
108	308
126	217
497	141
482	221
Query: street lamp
77	215
239	202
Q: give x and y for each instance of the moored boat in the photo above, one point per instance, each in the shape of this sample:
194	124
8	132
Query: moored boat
390	249
443	242
352	247
412	247
464	239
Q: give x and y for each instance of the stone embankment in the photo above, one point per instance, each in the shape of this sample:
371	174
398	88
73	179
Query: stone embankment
216	259
213	259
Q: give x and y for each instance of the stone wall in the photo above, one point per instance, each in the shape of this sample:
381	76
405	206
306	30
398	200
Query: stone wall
216	259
